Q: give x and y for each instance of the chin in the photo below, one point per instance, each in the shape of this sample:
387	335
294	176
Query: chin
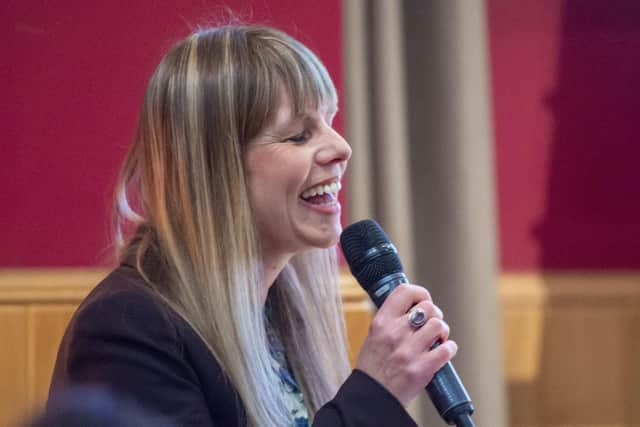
327	241
318	237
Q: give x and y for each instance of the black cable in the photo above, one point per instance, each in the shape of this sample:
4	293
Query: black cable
464	420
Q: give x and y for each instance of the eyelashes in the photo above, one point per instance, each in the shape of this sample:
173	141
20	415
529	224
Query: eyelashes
310	124
300	138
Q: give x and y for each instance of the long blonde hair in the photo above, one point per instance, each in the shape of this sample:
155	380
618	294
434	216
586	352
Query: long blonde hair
183	184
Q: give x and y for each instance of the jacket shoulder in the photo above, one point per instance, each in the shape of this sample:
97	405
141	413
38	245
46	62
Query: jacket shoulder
124	338
123	303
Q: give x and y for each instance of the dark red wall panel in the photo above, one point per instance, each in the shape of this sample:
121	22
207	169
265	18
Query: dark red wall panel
566	102
565	93
72	78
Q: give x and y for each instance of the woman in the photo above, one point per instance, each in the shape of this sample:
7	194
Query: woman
225	309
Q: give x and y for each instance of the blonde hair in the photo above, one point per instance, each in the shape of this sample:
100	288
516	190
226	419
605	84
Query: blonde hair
183	185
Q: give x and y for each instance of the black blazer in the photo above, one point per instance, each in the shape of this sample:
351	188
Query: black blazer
122	337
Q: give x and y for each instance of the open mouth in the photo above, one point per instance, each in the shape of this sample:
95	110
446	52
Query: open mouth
323	194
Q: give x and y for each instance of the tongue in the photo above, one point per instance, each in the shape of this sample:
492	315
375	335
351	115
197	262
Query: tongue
321	199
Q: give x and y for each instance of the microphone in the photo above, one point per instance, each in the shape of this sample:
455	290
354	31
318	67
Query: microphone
374	262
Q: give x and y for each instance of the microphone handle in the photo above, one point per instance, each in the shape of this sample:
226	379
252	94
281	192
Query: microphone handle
449	395
445	390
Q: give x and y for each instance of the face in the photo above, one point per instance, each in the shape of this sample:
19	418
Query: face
295	167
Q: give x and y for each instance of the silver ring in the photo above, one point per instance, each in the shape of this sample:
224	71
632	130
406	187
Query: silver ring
417	317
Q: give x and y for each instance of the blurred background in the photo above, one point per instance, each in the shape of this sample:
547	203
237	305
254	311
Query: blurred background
494	140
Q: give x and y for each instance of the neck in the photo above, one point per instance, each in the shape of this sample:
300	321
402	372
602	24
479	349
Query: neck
272	265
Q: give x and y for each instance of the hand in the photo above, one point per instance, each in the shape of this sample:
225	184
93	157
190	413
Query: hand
396	354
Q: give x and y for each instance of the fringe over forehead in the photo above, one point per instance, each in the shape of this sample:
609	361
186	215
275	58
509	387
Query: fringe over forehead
250	63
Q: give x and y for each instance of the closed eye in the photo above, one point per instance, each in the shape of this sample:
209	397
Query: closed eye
300	138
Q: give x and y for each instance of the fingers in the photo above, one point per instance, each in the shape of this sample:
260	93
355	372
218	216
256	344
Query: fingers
401	356
435	359
391	327
434	330
428	360
422	366
401	299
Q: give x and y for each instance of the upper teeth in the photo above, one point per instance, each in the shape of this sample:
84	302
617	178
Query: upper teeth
334	187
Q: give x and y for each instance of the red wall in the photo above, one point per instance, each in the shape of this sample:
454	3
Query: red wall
566	103
565	99
72	78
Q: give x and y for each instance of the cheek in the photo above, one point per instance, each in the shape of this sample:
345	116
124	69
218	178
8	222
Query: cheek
270	186
267	189
276	177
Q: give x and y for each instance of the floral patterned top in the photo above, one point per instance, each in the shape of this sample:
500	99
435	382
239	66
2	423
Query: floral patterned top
294	399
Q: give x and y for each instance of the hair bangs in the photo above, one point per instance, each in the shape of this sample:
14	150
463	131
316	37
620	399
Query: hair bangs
306	80
284	62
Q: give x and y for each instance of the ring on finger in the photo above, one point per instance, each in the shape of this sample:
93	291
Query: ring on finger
417	317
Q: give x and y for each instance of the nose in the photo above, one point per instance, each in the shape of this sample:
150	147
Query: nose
334	149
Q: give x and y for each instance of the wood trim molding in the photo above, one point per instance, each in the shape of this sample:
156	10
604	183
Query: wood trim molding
583	287
68	285
55	285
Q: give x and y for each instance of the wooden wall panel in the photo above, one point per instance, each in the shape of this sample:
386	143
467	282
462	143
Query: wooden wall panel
358	311
35	307
13	366
571	348
522	349
571	342
569	380
46	325
633	359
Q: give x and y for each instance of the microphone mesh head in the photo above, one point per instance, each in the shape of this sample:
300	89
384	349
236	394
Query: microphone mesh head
356	240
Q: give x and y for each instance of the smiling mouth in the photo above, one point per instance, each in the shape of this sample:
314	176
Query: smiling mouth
323	194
